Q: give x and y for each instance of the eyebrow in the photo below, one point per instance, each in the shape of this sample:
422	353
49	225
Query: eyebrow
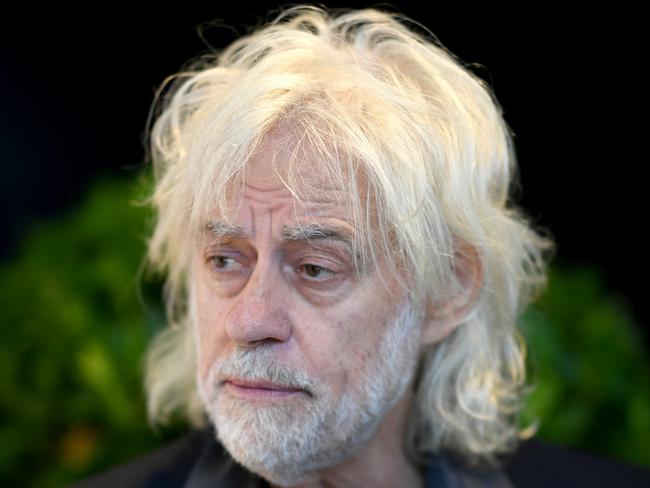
291	233
312	231
216	228
294	232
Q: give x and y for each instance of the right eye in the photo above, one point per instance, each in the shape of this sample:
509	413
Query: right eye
224	263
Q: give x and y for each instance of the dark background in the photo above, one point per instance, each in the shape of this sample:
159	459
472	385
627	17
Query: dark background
76	87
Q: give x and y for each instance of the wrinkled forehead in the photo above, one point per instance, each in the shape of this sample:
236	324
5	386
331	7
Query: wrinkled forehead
316	179
321	179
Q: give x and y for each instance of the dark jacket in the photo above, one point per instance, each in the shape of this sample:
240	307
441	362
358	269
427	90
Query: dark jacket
196	460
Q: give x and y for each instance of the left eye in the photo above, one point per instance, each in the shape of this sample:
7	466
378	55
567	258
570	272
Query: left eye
315	271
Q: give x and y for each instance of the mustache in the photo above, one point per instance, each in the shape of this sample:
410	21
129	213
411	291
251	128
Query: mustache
261	364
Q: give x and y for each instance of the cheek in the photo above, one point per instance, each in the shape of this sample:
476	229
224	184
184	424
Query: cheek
209	332
337	346
357	341
363	333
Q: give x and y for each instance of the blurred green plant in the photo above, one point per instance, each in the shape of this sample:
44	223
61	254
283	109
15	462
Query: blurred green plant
590	365
74	328
76	321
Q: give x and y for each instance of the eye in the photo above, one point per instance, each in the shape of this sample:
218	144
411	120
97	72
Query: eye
315	272
223	263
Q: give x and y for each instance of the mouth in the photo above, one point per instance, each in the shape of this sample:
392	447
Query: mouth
260	389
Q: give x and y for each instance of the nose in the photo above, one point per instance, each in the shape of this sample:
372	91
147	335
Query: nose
259	314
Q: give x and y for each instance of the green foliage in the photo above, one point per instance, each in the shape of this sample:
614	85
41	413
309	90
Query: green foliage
590	367
74	330
77	318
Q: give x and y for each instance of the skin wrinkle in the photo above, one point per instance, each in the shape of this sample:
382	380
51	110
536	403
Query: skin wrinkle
416	152
309	231
301	231
321	337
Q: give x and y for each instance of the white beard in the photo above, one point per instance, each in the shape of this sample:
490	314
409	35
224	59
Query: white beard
287	441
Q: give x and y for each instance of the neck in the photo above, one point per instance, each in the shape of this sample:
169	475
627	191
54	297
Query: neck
382	462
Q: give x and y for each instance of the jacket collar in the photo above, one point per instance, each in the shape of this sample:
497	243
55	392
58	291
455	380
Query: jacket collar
215	468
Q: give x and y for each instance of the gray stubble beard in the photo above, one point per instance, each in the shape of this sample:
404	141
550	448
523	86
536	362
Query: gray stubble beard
288	442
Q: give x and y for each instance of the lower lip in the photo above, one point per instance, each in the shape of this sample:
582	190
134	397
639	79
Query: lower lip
259	393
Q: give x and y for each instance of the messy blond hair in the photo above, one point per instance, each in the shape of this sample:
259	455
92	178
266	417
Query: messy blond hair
367	95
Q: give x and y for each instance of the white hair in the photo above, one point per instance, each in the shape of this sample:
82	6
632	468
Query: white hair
367	96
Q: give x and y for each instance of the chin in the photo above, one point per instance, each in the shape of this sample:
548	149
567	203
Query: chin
288	450
264	457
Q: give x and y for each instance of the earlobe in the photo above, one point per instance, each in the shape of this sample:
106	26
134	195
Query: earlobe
443	316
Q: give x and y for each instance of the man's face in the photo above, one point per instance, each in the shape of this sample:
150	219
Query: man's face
299	358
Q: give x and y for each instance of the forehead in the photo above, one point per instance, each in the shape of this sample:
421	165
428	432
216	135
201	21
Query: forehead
286	164
324	185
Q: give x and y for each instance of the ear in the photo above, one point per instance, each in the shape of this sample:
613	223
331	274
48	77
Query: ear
442	317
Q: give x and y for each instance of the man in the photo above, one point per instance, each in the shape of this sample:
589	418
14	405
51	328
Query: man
344	268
